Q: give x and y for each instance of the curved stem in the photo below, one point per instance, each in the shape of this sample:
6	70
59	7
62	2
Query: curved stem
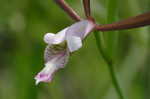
133	22
68	10
109	63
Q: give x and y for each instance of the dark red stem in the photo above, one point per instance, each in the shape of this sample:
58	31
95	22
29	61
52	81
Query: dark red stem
87	8
133	22
68	10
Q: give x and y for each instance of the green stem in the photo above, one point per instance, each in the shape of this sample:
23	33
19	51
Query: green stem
109	63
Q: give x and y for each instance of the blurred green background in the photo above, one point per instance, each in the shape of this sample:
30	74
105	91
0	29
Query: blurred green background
23	24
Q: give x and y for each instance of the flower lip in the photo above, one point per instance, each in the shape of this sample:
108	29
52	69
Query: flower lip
54	61
46	74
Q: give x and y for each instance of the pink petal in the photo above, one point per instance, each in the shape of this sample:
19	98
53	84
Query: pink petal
46	74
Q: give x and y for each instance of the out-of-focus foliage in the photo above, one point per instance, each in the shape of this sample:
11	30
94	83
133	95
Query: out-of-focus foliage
22	26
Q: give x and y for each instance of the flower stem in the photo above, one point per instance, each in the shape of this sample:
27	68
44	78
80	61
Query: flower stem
68	10
87	9
132	22
109	63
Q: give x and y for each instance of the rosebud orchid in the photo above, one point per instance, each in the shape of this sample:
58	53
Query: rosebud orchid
60	46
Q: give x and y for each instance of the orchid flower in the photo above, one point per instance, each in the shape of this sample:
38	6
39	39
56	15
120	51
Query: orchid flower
60	46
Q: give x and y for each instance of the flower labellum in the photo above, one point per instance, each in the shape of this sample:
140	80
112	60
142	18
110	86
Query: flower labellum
60	46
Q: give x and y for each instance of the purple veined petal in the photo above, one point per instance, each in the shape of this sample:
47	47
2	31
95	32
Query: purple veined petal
76	33
54	61
56	53
51	38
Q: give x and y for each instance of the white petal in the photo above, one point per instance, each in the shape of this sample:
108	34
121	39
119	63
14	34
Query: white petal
74	43
76	33
48	38
37	81
51	38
